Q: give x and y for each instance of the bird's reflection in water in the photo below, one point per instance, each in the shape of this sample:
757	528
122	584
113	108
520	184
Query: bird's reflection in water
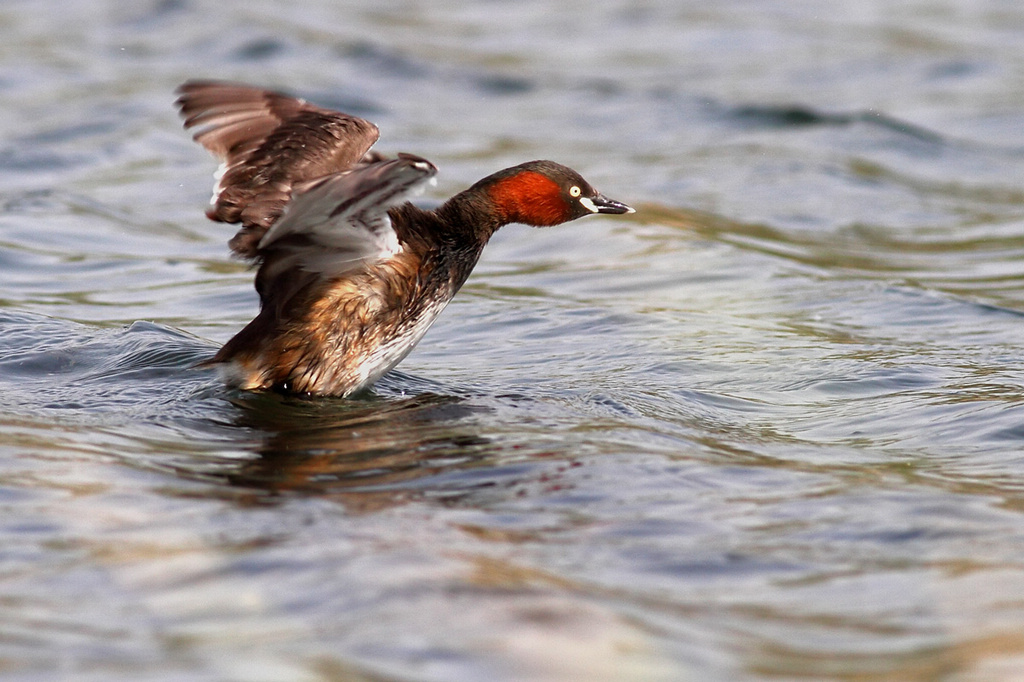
369	452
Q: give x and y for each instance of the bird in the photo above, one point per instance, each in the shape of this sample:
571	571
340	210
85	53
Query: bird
350	274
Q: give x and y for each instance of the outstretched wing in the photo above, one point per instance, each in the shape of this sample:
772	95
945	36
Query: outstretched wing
269	144
336	225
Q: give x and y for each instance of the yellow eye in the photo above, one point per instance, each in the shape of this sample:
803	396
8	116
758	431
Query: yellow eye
574	191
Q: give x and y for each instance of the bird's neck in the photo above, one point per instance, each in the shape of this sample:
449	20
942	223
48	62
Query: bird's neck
470	216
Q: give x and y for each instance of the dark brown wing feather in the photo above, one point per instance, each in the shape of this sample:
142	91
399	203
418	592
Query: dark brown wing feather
268	143
336	226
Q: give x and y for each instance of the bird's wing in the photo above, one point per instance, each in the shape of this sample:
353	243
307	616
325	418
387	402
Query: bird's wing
268	144
336	225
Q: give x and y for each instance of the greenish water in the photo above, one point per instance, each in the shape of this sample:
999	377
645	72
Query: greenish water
769	427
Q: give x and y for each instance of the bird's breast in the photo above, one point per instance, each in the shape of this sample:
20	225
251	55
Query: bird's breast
358	328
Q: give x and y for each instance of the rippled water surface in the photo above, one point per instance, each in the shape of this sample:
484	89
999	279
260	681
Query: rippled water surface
768	427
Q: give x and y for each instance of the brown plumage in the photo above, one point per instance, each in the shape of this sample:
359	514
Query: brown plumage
268	143
350	275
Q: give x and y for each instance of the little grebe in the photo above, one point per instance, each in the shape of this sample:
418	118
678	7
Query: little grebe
350	275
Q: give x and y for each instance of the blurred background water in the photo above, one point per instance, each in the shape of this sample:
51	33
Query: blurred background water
769	427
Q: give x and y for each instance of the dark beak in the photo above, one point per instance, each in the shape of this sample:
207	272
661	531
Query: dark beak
605	205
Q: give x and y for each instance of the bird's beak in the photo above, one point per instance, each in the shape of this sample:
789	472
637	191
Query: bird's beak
603	204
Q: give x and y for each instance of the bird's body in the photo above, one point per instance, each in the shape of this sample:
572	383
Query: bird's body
350	275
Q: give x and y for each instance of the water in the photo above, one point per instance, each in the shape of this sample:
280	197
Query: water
769	427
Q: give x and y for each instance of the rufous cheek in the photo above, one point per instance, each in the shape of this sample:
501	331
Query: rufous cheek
530	198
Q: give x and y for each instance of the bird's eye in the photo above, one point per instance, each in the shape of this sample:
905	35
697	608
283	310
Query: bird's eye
574	191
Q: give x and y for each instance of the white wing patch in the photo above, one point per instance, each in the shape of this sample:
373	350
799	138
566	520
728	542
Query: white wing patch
218	176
